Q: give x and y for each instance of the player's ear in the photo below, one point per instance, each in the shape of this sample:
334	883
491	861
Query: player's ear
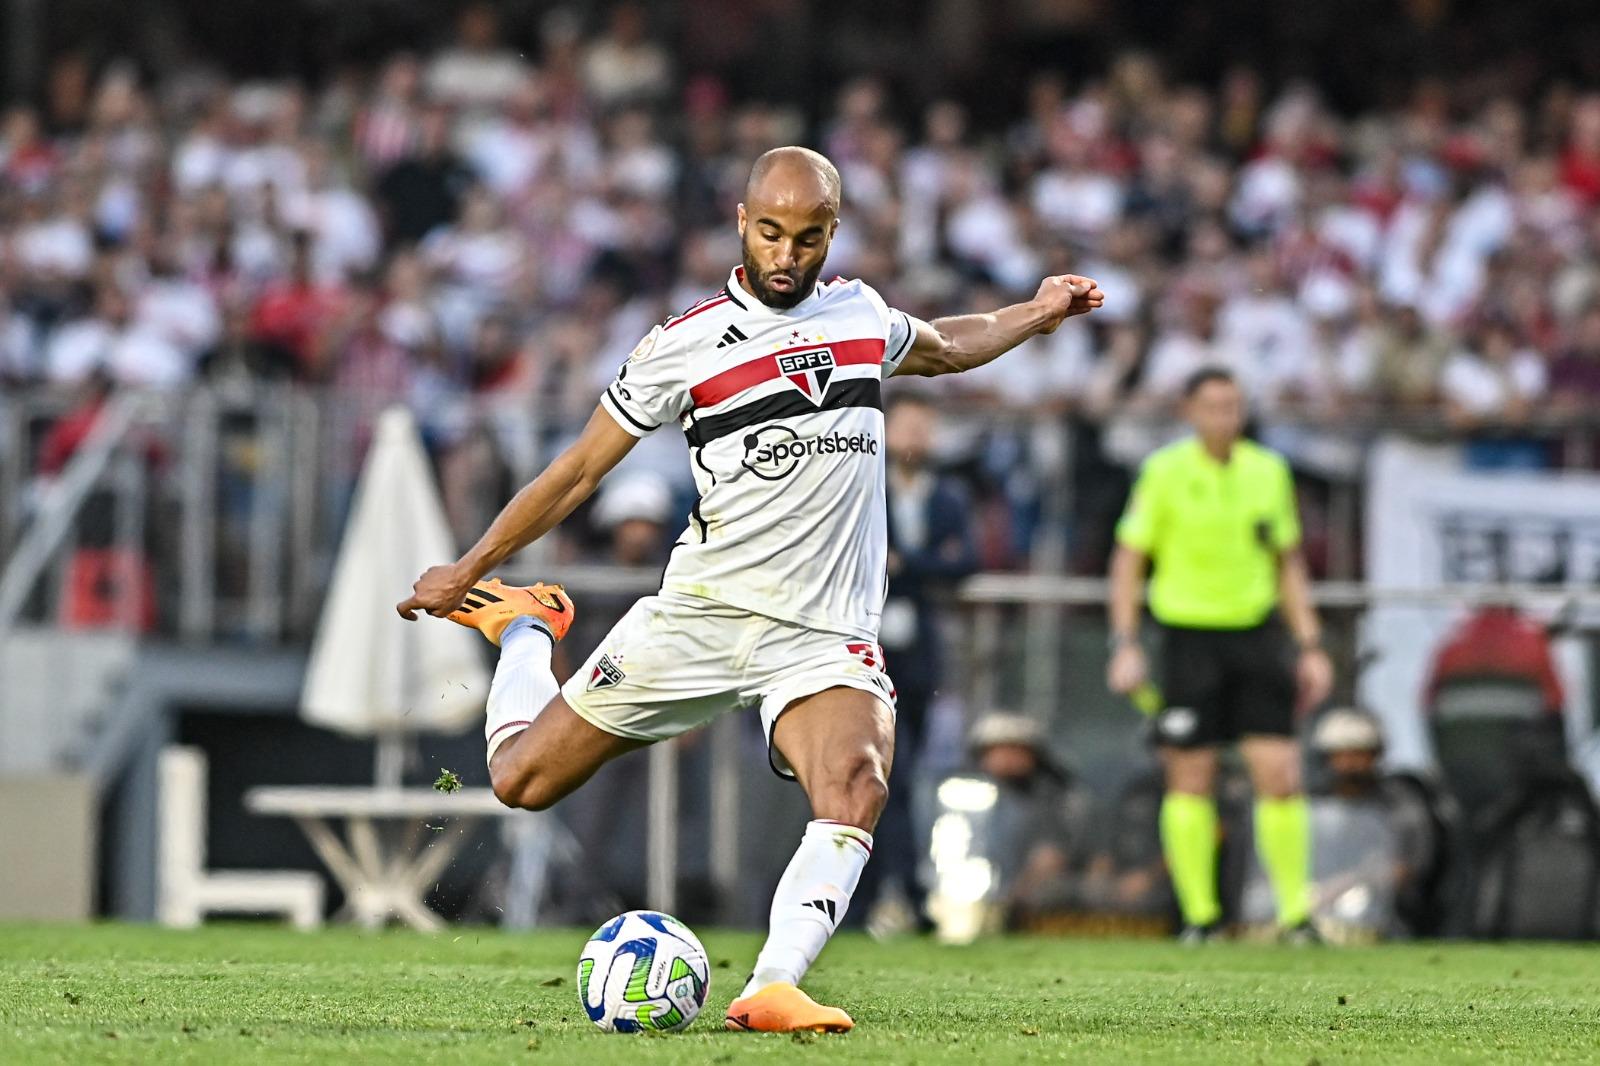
741	221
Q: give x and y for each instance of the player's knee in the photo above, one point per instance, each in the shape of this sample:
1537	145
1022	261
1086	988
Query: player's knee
1274	769
1278	782
1190	772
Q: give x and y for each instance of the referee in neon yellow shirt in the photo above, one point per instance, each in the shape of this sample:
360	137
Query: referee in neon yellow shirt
1243	650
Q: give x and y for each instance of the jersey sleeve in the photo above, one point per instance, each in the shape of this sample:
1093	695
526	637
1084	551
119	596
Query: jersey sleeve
1286	514
902	334
899	330
1140	521
650	389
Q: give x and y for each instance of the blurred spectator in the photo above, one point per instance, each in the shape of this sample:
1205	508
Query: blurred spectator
28	161
625	66
1185	347
176	308
17	345
633	510
1575	376
1330	379
240	359
111	341
342	225
1127	875
1493	379
423	191
1580	160
1381	840
477	71
478	261
1041	820
295	312
388	127
1407	359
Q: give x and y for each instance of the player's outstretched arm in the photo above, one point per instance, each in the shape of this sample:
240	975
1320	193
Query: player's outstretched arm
533	512
951	345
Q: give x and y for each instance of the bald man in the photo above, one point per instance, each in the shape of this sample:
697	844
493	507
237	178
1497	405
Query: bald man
774	590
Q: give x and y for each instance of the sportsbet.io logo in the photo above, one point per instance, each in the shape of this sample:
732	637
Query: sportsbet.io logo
772	452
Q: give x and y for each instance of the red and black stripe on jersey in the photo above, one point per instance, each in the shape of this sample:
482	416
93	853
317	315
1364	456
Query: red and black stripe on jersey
860	392
720	388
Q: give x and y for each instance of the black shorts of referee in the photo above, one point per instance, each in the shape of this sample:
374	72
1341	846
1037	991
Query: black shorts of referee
1224	684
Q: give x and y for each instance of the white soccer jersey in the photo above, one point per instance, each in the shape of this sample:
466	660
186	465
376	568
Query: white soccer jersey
784	420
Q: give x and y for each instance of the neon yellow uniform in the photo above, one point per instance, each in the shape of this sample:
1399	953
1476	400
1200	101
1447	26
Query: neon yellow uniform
1214	532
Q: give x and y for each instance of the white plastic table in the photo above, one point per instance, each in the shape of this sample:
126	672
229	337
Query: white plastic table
384	875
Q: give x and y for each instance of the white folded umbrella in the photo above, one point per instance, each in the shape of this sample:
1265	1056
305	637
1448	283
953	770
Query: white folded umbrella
371	672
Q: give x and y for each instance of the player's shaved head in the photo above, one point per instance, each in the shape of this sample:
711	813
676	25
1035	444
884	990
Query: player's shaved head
794	175
787	222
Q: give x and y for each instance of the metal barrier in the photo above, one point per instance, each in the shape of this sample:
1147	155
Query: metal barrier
101	458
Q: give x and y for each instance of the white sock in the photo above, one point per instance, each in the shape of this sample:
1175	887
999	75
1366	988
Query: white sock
811	900
523	683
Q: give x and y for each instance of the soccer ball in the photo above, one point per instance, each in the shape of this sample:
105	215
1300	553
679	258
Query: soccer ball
643	970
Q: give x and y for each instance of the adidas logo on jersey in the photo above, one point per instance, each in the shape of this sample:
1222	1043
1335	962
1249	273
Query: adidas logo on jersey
731	335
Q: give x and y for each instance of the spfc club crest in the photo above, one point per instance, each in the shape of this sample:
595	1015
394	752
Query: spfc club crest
809	371
607	674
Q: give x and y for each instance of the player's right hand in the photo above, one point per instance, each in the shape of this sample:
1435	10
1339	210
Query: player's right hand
438	591
1127	669
1065	295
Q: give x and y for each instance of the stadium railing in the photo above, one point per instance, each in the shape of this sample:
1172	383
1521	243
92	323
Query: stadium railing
235	497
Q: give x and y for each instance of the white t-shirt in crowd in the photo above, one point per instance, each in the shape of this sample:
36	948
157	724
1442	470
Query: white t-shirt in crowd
1480	387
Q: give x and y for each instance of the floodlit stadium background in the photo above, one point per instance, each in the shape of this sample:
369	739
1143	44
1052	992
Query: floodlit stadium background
232	235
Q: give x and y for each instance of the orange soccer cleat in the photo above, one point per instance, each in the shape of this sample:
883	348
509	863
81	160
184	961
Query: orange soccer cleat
783	1008
492	605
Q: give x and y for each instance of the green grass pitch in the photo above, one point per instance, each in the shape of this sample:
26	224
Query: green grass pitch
248	993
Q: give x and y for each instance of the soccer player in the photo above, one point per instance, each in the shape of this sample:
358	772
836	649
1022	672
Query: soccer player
1216	513
773	593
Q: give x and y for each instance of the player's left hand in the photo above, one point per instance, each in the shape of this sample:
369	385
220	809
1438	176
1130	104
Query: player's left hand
1065	295
1314	677
438	591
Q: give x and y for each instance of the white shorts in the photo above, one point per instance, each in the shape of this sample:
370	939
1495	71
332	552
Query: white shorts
674	662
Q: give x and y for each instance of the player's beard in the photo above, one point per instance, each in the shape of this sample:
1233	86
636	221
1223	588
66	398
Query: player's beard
804	283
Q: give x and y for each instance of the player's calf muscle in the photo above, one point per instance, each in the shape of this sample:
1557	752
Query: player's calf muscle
517	782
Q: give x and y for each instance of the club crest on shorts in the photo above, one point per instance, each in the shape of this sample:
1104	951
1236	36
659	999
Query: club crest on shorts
809	371
607	674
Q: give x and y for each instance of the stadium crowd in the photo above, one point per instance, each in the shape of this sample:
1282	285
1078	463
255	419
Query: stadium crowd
479	228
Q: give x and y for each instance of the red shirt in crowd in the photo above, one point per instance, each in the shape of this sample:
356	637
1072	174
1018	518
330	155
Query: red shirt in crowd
293	314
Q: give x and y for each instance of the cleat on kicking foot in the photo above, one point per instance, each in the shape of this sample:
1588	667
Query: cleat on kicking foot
783	1008
492	605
